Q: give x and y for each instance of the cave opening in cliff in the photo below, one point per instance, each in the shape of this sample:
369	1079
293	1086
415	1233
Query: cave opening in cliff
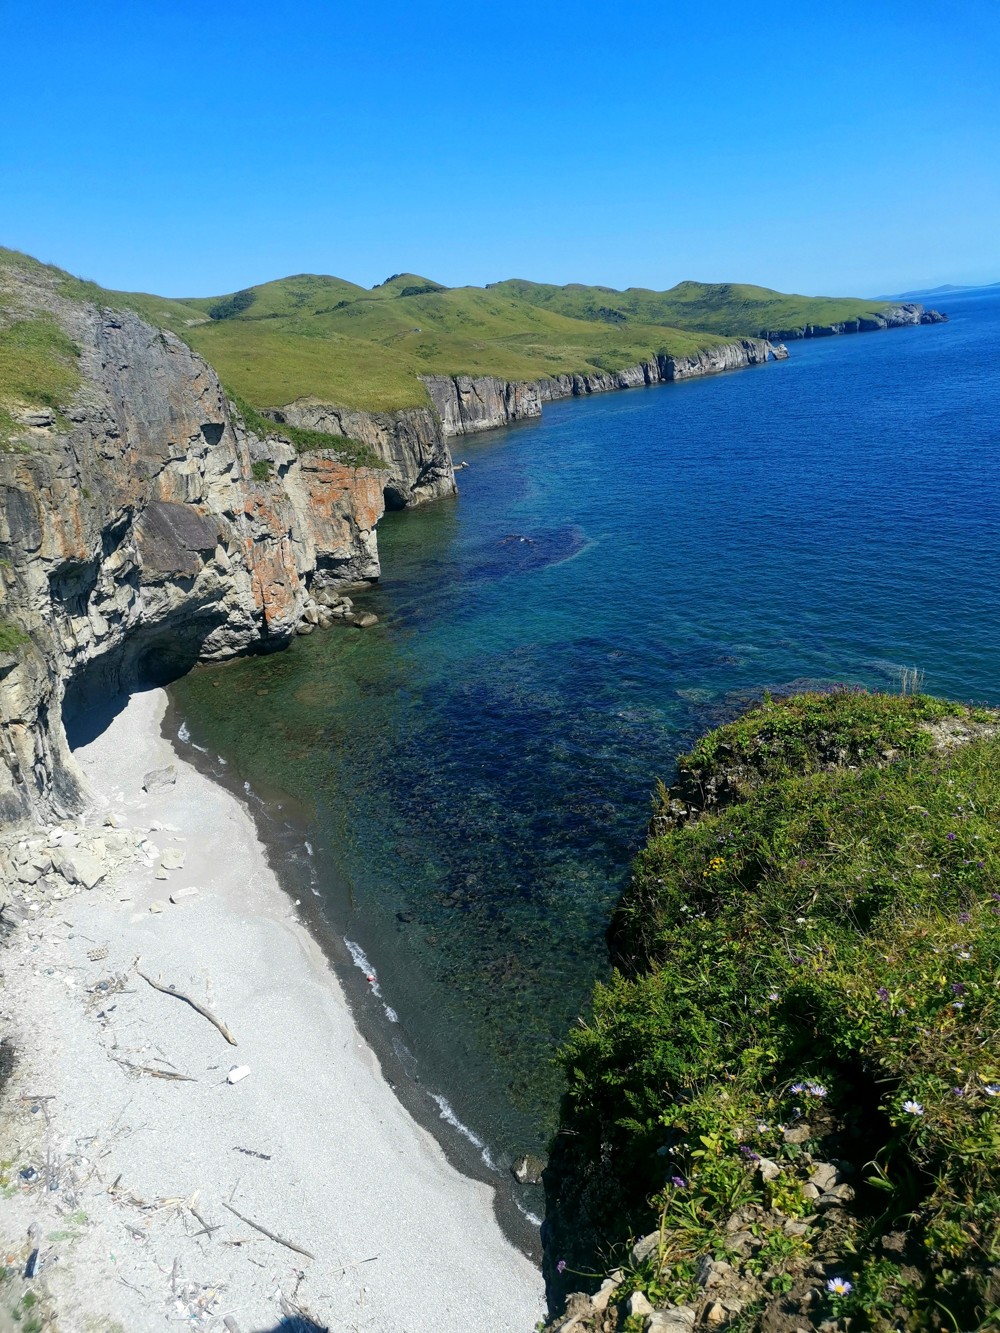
98	690
394	498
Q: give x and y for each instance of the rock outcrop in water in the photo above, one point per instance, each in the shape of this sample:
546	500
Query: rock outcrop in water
467	404
136	537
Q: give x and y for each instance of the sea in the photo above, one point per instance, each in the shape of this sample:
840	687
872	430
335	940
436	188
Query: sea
452	797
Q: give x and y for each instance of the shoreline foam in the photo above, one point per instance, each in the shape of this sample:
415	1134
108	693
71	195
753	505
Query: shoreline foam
313	1144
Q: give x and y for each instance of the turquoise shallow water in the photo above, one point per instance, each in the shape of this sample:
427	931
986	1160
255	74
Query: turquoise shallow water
473	774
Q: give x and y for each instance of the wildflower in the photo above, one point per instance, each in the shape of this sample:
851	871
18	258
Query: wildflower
964	917
957	988
958	1092
816	1090
883	994
749	1153
678	1182
992	1089
839	1286
561	1266
773	995
797	1087
951	837
761	1127
913	1108
958	1004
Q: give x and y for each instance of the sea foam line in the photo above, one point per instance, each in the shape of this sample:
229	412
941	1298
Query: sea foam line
527	1213
448	1115
184	736
361	961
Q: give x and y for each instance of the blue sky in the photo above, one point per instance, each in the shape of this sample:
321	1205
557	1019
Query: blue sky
196	148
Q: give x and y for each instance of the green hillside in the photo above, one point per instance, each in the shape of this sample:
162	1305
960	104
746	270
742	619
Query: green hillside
368	349
323	337
734	309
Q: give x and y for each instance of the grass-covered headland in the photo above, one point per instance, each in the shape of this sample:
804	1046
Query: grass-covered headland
322	337
791	1083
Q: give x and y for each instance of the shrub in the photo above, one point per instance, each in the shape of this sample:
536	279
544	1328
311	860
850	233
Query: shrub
233	305
11	637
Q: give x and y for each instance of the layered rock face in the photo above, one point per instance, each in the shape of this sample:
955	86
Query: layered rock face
893	317
410	444
135	539
466	405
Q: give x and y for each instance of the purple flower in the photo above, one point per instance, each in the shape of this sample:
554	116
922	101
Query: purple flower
883	994
951	837
561	1266
749	1153
964	917
839	1286
678	1182
797	1087
958	1092
957	988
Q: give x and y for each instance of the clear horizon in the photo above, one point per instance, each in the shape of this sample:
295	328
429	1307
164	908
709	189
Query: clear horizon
199	152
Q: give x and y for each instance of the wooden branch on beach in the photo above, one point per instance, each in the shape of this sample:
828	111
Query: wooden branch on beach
154	1073
198	1008
279	1240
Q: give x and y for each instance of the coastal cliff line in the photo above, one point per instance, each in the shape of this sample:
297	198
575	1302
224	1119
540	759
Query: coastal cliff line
149	522
904	315
144	528
465	404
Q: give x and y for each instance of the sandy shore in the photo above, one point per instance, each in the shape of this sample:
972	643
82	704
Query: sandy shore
311	1145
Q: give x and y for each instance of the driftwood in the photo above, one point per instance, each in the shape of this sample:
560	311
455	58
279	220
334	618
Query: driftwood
279	1240
154	1073
198	1008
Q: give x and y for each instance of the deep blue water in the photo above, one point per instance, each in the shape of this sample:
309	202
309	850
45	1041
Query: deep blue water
475	773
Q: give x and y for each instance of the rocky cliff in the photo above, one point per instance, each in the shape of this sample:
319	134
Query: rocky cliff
410	444
466	405
137	536
893	317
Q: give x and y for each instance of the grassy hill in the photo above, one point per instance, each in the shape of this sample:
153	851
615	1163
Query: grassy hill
731	309
324	337
368	349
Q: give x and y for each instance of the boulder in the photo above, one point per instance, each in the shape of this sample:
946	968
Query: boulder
365	620
528	1169
81	867
160	779
676	1319
644	1247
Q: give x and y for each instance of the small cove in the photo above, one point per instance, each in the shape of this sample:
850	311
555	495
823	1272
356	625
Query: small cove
469	780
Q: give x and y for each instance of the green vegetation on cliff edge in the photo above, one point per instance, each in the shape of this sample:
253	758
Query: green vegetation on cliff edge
807	973
324	338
